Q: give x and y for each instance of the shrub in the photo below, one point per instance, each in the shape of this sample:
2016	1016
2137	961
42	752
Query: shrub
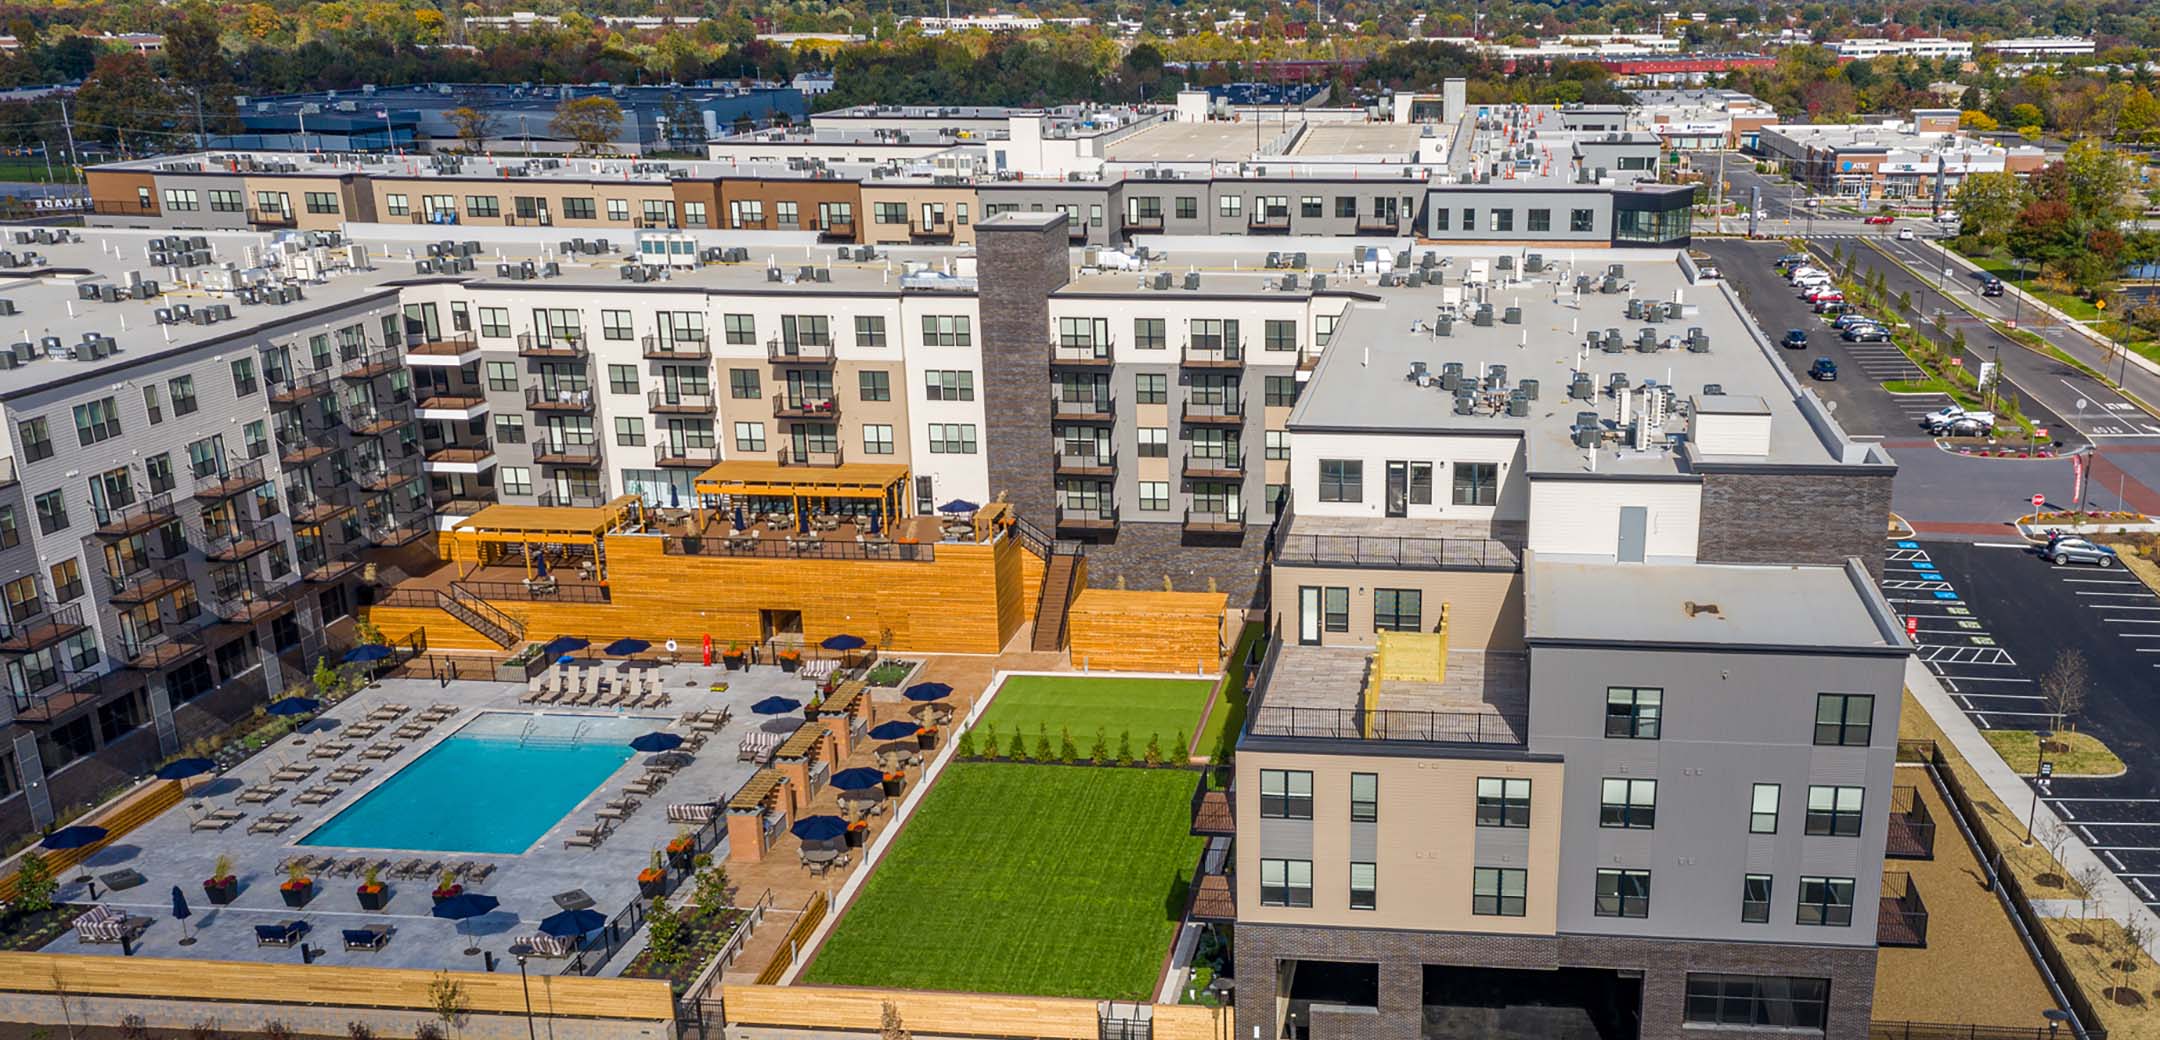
205	1029
1042	743
1124	748
34	883
133	1027
358	1030
663	933
990	742
427	1031
1153	755
1018	751
965	746
276	1029
1068	753
1181	751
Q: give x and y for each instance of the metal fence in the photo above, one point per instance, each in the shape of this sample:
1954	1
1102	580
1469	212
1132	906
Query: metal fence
1439	727
1483	554
593	954
806	548
559	592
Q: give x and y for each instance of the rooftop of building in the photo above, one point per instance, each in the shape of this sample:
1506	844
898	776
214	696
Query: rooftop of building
1893	135
502	96
491	168
1693	604
1717	98
1538	146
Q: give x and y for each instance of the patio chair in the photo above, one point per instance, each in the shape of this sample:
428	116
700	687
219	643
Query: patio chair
582	841
545	945
103	924
213	823
284	933
371	937
406	868
261	794
411	731
362	730
691	812
330	749
294	773
379	752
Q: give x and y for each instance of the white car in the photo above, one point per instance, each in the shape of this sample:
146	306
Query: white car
1937	423
1905	234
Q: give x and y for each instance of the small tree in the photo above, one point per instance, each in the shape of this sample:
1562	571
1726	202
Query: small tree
989	742
1099	752
965	746
2063	687
1181	752
1042	743
474	126
2129	947
889	1027
1018	751
447	998
358	1030
1068	753
328	682
590	121
663	932
1124	748
34	883
709	899
276	1029
1153	755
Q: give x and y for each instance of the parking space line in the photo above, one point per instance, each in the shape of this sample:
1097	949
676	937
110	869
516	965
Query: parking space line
2082	592
1986	678
2103	581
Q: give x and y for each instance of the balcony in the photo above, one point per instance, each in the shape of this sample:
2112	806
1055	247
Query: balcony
452	407
382	475
320	566
679	347
1214	898
557	346
1213	354
1208	521
790	456
1377	223
1067	463
312	506
391	532
297	387
786	407
781	352
371	364
1076	229
1087	518
1269	220
572	498
558	399
1080	355
1397	724
1433	554
1213	413
677	402
233	541
378	420
152	647
296	449
1903	917
559	453
1230	466
837	231
1098	408
1144	221
248	603
213	487
37	629
272	218
683	456
147	584
457	351
918	229
136	517
468	458
1912	826
1213	814
69	691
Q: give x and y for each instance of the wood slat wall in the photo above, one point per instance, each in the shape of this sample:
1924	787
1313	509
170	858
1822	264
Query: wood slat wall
1133	630
952	1014
643	1000
134	811
444	632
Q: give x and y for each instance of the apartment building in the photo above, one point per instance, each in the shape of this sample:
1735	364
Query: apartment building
194	468
1580	706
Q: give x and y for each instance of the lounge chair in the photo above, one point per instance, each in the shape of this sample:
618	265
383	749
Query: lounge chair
103	924
692	812
213	823
405	868
583	841
372	937
262	794
362	730
330	749
411	731
317	795
294	773
478	872
283	933
545	945
380	751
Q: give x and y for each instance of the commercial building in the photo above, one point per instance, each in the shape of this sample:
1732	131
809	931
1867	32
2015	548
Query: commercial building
1915	158
518	118
2043	46
1918	47
1580	706
1702	119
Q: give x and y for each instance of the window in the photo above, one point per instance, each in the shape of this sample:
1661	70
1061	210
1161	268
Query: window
739	329
22	598
618	209
1844	719
622	379
1342	480
1632	713
1188	207
1499	891
743	384
224	201
1150	334
956	384
785	212
67	581
575	207
97	421
158	468
1398	610
1440	218
1364	878
1834	811
152	405
35	439
1285	882
874	386
1768	1001
510	429
1153	442
181	389
1335	609
749	436
1278	335
1285	794
1503	220
1622	893
180	199
1275	444
1476	483
501	375
1469	220
629	430
1825	902
255	439
947	330
952	438
203	457
1154	496
1309	206
1755	899
516	480
1279	391
321	201
1503	802
1579	221
877	439
483	206
495	322
1364	797
1150	388
1540	220
243	377
869	330
615	325
1762	810
1229	206
1631	804
51	512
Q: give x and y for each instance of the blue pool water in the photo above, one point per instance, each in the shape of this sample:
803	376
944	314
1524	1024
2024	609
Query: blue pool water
494	786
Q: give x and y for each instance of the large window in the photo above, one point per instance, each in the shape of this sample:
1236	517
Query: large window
1622	893
947	330
1364	886
1755	899
1844	719
1499	891
1364	797
1634	713
34	439
1826	901
1652	225
1630	804
1149	334
1285	794
1342	480
952	438
1767	1001
1150	387
1503	802
1580	221
1335	608
956	384
1834	811
97	421
1286	882
1763	809
743	384
1477	483
1398	610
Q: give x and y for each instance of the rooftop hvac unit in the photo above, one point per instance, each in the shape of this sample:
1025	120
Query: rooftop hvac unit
1518	405
1444	327
425	266
1713	389
1451	376
1495	376
1160	280
1414	279
1297	260
1274	259
87	291
50	346
181	311
204	316
772	274
1655	312
1483	316
1420	373
7	307
146	290
8	360
164	315
1588	429
1646	340
1528	388
1634	310
1192	280
158	258
1613	343
1402	259
504	271
1511	316
1617	383
551	270
1533	263
1505	263
1319	281
1465	401
1428	259
1610	285
1697	343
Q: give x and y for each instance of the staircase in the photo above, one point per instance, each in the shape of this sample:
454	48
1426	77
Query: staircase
1059	571
502	629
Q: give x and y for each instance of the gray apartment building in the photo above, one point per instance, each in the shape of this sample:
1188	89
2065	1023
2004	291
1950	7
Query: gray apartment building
1579	714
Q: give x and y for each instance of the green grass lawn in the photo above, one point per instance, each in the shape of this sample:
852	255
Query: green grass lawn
1057	881
20	168
1219	737
2064	302
1163	708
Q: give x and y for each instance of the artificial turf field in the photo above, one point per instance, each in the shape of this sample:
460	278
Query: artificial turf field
1032	704
1046	880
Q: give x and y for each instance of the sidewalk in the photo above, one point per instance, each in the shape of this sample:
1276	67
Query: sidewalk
2110	351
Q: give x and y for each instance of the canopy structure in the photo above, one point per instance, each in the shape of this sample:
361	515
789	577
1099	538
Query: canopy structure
883	483
500	532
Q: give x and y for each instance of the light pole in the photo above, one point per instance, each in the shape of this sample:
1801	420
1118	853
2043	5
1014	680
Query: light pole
522	951
2017	299
2040	774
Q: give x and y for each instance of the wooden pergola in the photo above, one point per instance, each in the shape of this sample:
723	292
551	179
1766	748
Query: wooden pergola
882	483
488	536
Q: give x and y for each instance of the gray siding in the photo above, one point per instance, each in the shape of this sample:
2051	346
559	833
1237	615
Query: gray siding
1485	199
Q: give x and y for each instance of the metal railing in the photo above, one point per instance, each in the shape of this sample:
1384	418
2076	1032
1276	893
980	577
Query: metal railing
135	517
1229	465
234	480
1346	550
1881	1030
595	950
681	401
685	454
559	399
555	454
1391	724
519	591
1062	353
1213	519
40	628
294	387
678	347
1063	461
1084	516
809	547
786	407
1213	411
1221	353
557	345
790	457
571	499
1912	826
1101	406
797	352
1903	919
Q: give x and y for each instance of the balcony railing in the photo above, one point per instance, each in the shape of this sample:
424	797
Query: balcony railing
1902	919
1087	355
249	602
1087	518
1270	219
1230	466
1377	222
235	480
572	498
1394	724
150	648
1213	812
786	407
789	456
68	692
559	345
806	548
561	453
147	584
236	540
679	347
679	402
312	505
1213	522
373	363
1084	463
682	455
918	228
783	352
393	531
136	517
377	420
39	630
1144	221
1098	408
558	399
455	345
1445	554
465	453
1230	412
383	475
1912	826
295	387
271	217
559	592
1216	354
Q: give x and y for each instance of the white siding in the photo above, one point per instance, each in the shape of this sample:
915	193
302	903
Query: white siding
1582	517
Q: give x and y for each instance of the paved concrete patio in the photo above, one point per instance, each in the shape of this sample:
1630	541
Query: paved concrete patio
168	851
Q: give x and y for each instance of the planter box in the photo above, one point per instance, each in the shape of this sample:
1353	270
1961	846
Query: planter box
221	894
373	900
521	673
652	889
734	662
297	897
856	836
892	788
440	894
2038	532
790	664
682	861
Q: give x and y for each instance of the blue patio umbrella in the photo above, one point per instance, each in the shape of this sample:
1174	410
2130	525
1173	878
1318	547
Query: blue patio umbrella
565	659
540	570
293	706
819	828
958	505
897	729
674	497
82	835
802	521
740	523
560	645
182	768
877	523
570	924
367	652
775	706
181	913
463	907
656	742
843	642
857	779
928	691
627	647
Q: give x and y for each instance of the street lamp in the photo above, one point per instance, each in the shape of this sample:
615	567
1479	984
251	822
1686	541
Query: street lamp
522	951
2017	298
2040	776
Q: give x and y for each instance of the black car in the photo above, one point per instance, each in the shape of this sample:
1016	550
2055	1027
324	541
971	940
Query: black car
1795	339
1823	369
1991	286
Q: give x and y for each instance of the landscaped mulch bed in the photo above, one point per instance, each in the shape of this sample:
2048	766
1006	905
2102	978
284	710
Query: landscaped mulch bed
701	940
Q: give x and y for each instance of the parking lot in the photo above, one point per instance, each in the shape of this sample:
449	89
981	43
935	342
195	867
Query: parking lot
1992	616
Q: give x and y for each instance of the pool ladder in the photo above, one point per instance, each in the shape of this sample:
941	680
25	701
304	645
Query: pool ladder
528	738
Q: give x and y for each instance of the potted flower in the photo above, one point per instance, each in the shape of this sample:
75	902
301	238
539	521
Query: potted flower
810	709
221	887
447	886
733	657
892	783
926	737
857	833
652	881
682	850
374	895
790	660
298	887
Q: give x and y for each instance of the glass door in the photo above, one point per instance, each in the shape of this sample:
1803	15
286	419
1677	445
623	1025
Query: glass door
1308	615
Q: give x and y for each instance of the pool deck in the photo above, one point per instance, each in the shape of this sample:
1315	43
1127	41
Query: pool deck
169	852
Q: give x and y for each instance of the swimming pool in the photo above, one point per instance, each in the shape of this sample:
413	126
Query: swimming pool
494	786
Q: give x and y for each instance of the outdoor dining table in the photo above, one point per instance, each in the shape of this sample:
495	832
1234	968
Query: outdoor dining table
820	854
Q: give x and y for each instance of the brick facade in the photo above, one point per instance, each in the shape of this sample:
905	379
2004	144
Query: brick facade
1795	518
1145	553
1020	260
1663	965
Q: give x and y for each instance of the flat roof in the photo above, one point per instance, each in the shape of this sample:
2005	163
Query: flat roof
760	477
580	521
1706	604
1376	140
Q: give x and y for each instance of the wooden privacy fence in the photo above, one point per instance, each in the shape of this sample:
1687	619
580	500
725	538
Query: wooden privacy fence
134	810
812	913
954	1014
147	978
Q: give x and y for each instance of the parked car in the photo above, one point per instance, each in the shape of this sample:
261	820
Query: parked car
1823	292
1831	308
1851	318
1941	415
1968	426
1795	339
1905	234
1882	218
1946	217
1866	334
1938	422
1790	259
1812	203
1990	285
1823	369
1806	274
2067	549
